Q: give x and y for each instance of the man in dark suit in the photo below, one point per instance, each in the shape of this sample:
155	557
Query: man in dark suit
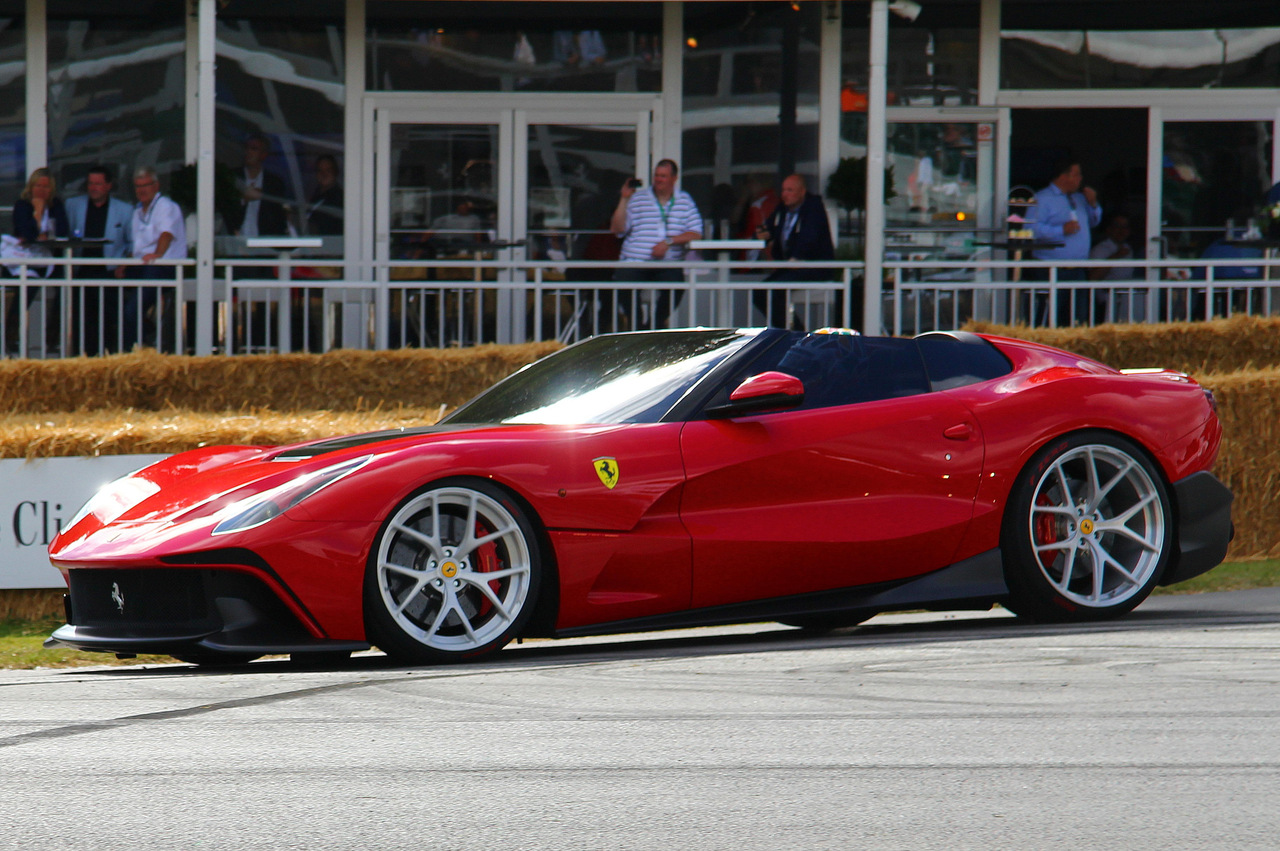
796	230
259	209
97	214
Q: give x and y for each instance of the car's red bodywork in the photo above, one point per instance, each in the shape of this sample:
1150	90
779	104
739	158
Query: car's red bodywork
705	513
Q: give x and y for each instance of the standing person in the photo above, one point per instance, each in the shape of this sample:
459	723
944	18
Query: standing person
324	210
38	216
99	215
761	199
1066	211
323	218
796	230
159	233
656	224
258	211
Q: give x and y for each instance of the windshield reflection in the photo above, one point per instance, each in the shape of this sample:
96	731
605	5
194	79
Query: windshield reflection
618	378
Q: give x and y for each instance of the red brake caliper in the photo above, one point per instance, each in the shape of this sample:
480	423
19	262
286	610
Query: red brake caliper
484	559
1046	531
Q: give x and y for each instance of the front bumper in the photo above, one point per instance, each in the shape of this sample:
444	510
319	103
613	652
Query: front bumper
184	611
1204	526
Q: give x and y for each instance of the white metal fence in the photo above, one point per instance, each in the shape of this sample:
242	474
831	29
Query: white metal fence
64	307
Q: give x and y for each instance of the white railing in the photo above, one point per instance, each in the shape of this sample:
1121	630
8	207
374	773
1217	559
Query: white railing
311	304
943	295
50	311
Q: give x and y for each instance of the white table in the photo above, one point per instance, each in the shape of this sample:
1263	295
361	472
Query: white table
284	246
724	248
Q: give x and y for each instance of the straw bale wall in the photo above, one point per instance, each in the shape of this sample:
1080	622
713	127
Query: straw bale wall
339	380
1249	460
151	403
1221	345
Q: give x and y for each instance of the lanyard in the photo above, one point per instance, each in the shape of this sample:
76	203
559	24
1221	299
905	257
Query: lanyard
664	212
145	213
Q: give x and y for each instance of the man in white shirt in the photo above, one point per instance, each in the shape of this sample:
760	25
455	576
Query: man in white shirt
656	225
159	233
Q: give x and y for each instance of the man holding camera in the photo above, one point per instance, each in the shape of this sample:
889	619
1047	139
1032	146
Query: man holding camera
655	225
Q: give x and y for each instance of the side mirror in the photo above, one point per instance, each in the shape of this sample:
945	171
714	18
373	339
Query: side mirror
768	391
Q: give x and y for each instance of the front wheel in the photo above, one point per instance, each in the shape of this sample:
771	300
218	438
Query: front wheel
1088	530
453	574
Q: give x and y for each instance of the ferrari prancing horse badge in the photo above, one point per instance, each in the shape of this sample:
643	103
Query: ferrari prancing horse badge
607	470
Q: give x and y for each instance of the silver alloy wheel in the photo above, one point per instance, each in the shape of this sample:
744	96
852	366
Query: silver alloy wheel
1097	526
454	569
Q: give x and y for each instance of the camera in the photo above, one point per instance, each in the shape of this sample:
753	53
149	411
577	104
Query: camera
635	183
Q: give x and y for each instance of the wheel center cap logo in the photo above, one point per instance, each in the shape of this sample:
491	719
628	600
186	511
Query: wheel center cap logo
448	570
1086	526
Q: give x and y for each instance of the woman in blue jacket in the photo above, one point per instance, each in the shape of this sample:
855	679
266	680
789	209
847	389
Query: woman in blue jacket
38	215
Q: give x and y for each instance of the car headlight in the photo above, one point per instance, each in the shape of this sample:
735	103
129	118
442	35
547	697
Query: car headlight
115	498
263	507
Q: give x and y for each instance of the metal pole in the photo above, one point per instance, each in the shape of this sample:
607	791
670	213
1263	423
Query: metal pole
37	87
208	25
872	308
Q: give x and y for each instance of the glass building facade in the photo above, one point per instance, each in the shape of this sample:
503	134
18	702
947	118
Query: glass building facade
1171	107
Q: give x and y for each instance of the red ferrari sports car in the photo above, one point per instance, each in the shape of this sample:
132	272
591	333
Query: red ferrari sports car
670	478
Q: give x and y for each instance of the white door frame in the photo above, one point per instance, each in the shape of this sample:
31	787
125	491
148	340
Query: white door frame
512	114
993	182
1158	116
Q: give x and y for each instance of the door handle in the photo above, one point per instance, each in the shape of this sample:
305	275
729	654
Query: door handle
963	431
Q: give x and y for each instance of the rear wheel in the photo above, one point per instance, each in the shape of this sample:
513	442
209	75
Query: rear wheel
1088	530
453	574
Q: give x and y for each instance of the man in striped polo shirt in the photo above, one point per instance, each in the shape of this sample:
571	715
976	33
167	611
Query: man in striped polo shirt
655	225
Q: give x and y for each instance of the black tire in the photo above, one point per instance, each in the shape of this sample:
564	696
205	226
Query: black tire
1088	530
213	659
435	591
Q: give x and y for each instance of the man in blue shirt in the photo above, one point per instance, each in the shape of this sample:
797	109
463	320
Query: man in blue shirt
1066	212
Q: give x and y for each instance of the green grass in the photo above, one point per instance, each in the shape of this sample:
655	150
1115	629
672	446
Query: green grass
1231	576
21	641
21	646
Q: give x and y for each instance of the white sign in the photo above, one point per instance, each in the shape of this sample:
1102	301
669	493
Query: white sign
40	495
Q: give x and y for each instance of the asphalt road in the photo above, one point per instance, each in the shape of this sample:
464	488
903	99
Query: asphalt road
1154	732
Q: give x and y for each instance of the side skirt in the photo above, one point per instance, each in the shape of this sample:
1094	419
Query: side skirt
976	582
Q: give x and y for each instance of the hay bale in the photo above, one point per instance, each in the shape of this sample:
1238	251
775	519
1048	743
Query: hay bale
349	380
131	432
1218	346
1249	460
146	402
30	604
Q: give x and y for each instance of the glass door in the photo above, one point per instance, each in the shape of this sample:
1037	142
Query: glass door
1214	177
568	176
501	182
1208	181
946	184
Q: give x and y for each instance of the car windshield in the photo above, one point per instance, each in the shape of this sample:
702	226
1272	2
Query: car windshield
616	378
